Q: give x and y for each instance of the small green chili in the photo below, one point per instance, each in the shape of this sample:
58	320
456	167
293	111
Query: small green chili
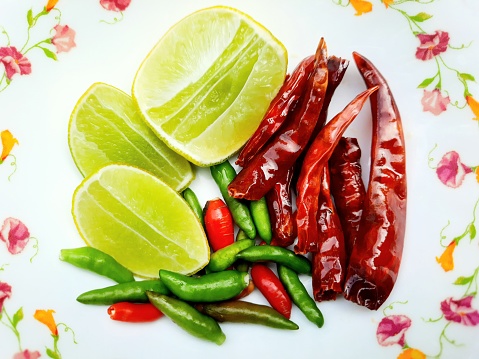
260	214
98	262
246	312
192	200
223	174
188	318
226	256
276	254
211	287
123	292
300	295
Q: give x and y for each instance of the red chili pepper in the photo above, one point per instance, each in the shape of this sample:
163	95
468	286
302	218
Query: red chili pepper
329	257
282	151
218	224
272	288
280	206
376	256
347	187
309	181
134	312
278	110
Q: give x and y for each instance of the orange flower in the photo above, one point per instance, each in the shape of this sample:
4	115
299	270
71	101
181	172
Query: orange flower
411	353
361	6
477	173
474	105
8	141
388	2
51	4
46	317
446	260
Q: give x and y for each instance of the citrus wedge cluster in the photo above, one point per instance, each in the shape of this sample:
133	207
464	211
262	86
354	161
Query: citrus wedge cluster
207	83
105	127
140	221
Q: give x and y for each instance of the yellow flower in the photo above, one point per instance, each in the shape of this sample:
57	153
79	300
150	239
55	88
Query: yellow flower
361	6
446	260
411	353
46	317
477	173
51	4
474	105
388	2
8	141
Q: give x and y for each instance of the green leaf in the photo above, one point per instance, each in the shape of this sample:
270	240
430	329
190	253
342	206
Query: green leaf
52	354
17	317
30	18
426	82
420	17
467	77
49	53
472	231
463	280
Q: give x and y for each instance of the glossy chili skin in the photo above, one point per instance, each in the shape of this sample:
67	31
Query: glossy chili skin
329	258
272	289
123	292
218	224
280	206
262	221
278	110
134	312
279	154
317	157
347	187
226	256
376	256
246	312
99	262
188	318
190	197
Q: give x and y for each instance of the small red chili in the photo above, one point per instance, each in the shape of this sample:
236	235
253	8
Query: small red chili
271	287
218	224
134	312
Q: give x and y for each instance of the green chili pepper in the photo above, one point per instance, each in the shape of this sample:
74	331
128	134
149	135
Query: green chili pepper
226	256
276	254
241	235
260	214
188	318
300	295
97	261
211	287
192	200
223	174
123	292
246	312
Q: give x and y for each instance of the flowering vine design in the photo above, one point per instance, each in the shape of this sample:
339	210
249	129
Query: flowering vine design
117	6
432	46
15	234
8	142
15	58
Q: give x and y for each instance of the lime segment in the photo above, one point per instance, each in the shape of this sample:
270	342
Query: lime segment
140	221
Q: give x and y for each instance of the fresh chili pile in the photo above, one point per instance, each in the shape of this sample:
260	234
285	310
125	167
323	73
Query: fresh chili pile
347	236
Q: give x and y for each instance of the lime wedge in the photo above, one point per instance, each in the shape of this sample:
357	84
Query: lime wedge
105	127
207	83
140	221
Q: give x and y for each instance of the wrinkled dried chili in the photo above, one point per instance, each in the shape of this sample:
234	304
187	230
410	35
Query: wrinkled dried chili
376	256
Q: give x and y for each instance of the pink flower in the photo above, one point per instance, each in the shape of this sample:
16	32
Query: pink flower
27	354
434	102
64	38
115	5
460	311
392	329
432	45
451	171
15	234
14	62
5	293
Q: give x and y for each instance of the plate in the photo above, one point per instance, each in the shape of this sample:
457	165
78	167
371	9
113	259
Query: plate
50	53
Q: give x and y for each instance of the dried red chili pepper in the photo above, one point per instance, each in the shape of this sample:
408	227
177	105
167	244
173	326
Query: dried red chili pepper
218	224
271	287
317	156
347	187
375	260
279	154
280	206
278	110
134	312
329	250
